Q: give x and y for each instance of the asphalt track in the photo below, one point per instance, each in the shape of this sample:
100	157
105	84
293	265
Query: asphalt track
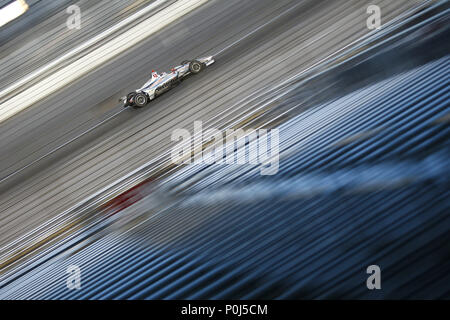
41	36
301	33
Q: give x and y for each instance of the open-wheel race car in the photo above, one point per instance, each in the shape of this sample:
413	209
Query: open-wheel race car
162	82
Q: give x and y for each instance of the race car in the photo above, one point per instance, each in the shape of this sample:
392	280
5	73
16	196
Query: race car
162	82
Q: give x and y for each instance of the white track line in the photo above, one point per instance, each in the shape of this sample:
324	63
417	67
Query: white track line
97	57
391	25
80	48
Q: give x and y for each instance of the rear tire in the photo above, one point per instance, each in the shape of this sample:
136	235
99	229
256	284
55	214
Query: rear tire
195	67
140	100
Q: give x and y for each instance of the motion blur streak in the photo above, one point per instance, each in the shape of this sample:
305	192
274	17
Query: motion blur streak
363	175
82	47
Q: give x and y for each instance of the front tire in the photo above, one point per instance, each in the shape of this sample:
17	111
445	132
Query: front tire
140	100
195	67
